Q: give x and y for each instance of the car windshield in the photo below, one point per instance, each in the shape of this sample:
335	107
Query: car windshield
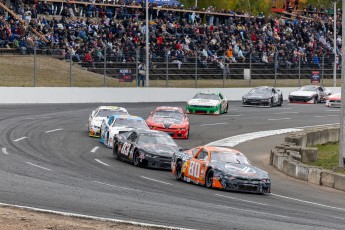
156	138
130	123
109	112
256	91
208	96
228	157
172	114
308	88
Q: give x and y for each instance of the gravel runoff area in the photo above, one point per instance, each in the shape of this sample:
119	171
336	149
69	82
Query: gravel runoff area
13	218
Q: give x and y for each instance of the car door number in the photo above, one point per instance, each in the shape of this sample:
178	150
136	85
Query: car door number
194	169
125	148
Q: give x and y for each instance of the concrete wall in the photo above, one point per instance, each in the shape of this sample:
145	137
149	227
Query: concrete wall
13	95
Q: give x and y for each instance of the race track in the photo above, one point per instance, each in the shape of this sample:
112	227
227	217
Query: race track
48	161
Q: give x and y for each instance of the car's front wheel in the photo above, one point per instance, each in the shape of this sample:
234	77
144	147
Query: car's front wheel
136	158
178	171
209	178
116	152
280	101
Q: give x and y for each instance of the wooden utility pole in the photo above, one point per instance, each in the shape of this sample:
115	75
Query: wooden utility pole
23	22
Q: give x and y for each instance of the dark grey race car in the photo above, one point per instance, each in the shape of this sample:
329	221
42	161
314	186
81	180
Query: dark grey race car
263	96
145	148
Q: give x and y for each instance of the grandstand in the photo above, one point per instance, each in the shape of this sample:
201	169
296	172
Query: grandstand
106	36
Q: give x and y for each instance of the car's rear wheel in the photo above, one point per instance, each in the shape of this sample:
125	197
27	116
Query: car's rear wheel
315	100
209	178
226	109
270	104
280	101
178	171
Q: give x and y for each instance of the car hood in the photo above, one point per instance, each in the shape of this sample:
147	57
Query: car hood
97	121
206	102
160	149
241	170
167	121
303	93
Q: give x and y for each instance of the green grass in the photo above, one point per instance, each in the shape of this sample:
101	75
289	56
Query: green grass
328	157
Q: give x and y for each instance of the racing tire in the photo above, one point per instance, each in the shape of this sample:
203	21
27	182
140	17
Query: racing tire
226	109
115	152
178	171
188	132
270	104
280	102
209	178
136	159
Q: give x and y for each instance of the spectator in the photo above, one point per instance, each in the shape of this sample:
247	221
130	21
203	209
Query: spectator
142	74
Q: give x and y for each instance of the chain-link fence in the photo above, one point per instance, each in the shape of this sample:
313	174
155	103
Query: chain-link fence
104	68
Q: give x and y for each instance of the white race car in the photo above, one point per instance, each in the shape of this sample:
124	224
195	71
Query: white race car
98	115
334	100
309	94
117	124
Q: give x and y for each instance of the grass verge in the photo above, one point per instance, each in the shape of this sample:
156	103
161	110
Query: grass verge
328	157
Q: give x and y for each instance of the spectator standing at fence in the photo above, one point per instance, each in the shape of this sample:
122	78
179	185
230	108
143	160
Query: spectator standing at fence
142	74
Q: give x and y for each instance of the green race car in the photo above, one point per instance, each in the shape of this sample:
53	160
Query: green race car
207	103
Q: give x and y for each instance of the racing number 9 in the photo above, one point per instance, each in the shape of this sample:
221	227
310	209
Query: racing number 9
194	169
125	148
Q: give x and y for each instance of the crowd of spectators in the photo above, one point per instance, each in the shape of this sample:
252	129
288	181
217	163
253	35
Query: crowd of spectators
89	31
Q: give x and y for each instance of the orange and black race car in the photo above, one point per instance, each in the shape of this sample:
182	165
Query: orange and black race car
171	120
221	168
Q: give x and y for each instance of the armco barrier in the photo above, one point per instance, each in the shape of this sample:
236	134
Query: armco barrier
14	95
289	156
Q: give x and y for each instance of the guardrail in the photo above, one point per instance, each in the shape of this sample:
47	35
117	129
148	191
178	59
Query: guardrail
290	156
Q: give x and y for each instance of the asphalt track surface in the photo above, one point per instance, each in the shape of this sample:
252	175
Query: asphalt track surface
48	161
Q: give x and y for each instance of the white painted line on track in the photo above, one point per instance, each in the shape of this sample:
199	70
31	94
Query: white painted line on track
147	178
34	118
4	150
94	149
334	110
237	115
223	123
279	119
319	116
235	140
251	211
328	116
38	166
117	186
248	201
70	214
308	202
101	162
19	139
286	113
53	130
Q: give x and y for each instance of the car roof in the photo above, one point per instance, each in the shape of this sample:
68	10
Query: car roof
263	87
128	117
209	92
111	107
148	131
220	149
169	108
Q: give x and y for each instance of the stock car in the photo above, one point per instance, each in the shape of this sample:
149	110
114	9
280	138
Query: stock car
334	100
171	120
145	148
264	96
310	94
97	116
206	102
119	123
219	168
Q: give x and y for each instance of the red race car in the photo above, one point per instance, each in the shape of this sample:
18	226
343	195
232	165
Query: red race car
171	120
